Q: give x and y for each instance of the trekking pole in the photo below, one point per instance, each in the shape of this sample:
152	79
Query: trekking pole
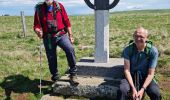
41	46
137	83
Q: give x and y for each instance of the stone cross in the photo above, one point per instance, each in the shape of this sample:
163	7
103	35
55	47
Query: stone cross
101	8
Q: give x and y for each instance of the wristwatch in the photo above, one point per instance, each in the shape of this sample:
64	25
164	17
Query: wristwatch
144	88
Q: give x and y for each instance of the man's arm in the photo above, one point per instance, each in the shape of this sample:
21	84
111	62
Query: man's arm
67	23
147	82
70	34
127	72
37	25
152	65
129	77
149	78
65	18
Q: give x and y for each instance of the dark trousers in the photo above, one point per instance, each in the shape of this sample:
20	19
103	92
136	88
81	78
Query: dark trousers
66	45
152	90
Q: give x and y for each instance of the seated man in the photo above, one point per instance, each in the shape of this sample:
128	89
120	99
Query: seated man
140	60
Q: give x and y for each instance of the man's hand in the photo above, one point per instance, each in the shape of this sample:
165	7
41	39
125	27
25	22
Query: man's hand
71	39
39	33
135	94
140	93
70	34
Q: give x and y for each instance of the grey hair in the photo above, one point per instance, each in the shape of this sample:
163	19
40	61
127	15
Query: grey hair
144	30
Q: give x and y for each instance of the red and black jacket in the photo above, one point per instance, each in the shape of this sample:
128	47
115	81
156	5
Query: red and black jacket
61	18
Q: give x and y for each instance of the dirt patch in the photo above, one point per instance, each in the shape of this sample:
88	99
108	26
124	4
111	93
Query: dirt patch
21	97
165	78
165	73
164	85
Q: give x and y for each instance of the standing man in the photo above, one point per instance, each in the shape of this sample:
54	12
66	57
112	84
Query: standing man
51	23
140	60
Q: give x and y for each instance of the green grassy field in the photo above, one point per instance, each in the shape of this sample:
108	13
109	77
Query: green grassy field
19	57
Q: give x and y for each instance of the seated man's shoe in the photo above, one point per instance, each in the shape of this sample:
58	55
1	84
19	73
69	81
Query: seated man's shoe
73	80
55	78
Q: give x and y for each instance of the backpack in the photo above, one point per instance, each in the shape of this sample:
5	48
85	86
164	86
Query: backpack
39	5
38	9
148	47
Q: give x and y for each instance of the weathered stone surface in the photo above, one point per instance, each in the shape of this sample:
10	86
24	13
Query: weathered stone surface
88	87
113	69
53	97
95	79
49	97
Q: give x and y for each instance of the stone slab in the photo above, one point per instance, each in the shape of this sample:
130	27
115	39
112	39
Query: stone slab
88	87
113	69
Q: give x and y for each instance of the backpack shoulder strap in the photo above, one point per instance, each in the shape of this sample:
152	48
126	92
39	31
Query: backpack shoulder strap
148	48
60	10
38	6
39	13
131	48
58	6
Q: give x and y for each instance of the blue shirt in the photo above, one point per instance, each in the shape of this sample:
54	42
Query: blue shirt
50	8
138	60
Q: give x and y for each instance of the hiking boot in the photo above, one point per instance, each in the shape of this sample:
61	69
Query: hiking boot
73	80
55	78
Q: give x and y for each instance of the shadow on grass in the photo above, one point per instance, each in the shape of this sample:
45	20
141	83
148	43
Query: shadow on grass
22	84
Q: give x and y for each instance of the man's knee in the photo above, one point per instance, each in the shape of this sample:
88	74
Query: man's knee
51	55
154	92
124	89
69	49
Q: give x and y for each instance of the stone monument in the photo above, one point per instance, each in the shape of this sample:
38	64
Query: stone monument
101	8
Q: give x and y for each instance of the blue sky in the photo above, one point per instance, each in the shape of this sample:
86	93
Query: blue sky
78	7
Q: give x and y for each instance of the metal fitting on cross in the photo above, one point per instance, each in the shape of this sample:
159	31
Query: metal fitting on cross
101	4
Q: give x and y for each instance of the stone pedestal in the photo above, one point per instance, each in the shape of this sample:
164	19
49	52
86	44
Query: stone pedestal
95	79
89	87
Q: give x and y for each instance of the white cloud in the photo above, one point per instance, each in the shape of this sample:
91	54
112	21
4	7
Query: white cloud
75	3
17	2
79	6
72	3
68	3
135	7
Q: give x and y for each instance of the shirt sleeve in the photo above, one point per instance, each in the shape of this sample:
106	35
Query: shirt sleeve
66	20
125	53
153	58
36	21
